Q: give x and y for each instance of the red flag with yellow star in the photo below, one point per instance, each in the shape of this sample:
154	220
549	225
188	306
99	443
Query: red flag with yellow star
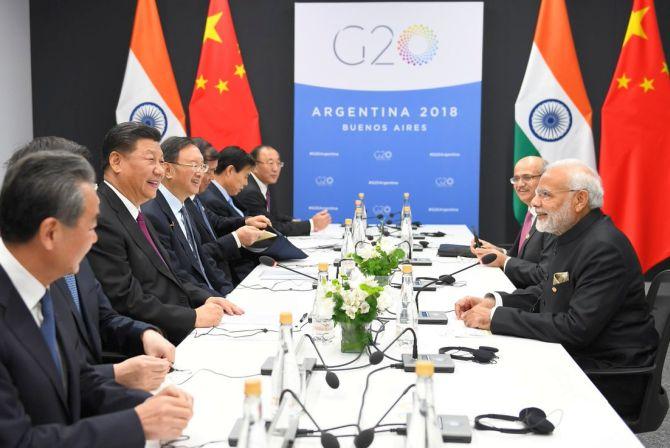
635	143
222	108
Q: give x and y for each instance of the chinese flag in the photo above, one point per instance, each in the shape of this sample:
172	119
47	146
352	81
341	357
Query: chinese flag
222	109
635	145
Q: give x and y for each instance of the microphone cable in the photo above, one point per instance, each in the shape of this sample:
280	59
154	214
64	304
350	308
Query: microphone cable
193	374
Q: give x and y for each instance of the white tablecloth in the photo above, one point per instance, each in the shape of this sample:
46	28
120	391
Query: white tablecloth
527	373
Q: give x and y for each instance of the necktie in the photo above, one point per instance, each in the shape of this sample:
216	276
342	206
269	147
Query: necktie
525	230
237	210
48	330
143	227
191	241
201	209
267	199
72	286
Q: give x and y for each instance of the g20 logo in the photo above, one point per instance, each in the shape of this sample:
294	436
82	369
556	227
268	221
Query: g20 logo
416	45
324	181
381	210
383	155
444	182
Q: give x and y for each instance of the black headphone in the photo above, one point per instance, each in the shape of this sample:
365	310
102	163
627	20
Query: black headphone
534	418
481	355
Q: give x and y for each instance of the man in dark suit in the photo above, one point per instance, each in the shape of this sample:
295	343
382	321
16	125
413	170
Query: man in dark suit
94	320
49	395
525	264
215	203
592	301
257	198
173	221
99	327
128	258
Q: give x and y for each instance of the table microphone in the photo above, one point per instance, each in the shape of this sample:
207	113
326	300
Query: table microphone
327	439
271	262
440	317
365	437
331	377
378	356
448	279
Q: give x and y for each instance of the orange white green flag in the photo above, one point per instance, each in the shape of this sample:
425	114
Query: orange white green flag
552	112
149	94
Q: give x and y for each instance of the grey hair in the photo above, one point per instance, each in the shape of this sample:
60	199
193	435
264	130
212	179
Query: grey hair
582	177
42	185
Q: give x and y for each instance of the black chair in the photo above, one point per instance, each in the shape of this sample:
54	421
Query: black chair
654	404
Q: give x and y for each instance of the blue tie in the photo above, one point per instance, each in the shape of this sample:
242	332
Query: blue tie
230	201
201	208
72	286
48	330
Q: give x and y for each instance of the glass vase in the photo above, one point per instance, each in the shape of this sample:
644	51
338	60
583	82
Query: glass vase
355	337
383	280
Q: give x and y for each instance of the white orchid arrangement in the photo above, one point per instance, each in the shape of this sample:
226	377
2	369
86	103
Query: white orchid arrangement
356	299
380	259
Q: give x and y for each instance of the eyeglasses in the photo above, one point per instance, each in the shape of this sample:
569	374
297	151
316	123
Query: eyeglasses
272	163
194	166
526	178
546	194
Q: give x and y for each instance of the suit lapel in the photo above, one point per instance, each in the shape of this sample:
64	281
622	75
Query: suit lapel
60	287
135	233
21	323
175	228
531	234
196	215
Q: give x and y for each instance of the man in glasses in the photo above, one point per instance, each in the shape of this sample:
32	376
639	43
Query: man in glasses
593	300
257	197
129	261
526	262
174	224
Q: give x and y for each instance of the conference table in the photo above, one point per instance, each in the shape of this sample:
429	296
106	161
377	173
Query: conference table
211	363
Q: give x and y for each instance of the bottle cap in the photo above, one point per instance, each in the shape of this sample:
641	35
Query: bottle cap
359	211
361	196
406	268
347	222
357	202
405	195
252	387
406	209
425	369
323	267
286	318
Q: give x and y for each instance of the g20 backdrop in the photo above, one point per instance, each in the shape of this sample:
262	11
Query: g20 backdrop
387	100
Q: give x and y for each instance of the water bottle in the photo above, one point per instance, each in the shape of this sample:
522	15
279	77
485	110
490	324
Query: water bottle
285	370
423	430
407	316
405	203
348	242
252	430
358	230
406	231
364	215
322	315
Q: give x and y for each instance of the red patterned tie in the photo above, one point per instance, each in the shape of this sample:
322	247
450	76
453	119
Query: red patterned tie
147	235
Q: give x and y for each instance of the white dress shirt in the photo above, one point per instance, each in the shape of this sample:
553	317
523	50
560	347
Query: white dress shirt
176	206
29	288
134	210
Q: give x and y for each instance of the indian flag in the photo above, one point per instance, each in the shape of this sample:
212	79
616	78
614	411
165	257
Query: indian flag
149	94
552	111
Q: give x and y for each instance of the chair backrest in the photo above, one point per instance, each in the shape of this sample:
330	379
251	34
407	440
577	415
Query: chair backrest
655	399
